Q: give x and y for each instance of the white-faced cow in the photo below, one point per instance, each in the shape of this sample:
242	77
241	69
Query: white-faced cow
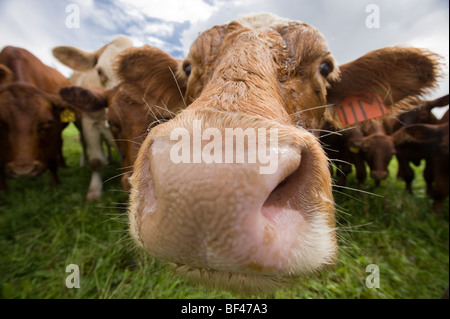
94	70
148	93
248	225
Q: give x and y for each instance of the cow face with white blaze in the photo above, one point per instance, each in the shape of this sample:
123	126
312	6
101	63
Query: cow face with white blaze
224	223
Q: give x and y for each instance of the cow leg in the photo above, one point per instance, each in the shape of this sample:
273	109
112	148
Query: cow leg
405	172
361	173
110	142
440	190
428	176
83	157
3	184
93	140
95	186
53	168
61	159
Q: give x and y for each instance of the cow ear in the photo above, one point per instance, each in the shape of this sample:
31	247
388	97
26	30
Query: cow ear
418	133
77	59
394	76
6	75
439	102
85	100
152	74
58	104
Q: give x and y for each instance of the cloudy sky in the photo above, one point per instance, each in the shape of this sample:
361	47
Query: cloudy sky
172	25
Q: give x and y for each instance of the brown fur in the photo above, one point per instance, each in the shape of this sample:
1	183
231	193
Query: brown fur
94	70
432	140
26	68
264	77
29	116
414	151
148	93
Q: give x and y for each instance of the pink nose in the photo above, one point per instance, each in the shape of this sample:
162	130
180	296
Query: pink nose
258	217
17	170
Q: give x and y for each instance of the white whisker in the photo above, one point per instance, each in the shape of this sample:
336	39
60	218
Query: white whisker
119	175
178	86
311	109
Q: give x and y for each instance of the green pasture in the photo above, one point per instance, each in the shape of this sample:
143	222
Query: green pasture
44	229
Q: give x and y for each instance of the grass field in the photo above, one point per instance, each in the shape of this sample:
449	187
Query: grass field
44	229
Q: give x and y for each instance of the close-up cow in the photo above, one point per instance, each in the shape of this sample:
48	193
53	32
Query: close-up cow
227	225
214	149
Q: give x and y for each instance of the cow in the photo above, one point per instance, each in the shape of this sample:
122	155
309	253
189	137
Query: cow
30	125
376	148
408	151
432	139
94	70
356	146
139	102
254	225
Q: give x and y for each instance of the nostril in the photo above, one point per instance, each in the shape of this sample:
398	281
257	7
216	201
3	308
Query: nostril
281	195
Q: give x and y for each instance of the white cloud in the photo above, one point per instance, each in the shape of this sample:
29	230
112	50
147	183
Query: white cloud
172	10
172	25
413	23
162	29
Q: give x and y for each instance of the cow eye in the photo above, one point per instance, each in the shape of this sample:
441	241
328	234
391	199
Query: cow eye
325	69
102	76
188	69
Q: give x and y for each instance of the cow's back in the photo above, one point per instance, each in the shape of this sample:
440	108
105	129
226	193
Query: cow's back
29	69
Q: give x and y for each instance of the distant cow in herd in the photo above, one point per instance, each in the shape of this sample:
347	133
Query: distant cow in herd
370	143
382	139
145	97
30	107
419	135
94	70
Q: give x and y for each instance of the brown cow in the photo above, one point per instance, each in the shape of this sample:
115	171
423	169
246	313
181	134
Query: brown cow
94	70
434	140
410	152
140	100
376	147
30	125
241	225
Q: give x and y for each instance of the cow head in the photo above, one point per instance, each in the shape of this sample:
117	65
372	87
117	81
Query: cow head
148	94
224	222
93	69
375	147
30	130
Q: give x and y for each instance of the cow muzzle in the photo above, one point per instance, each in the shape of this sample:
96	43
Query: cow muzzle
28	169
262	207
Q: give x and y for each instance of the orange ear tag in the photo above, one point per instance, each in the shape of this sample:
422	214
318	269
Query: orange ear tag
355	109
